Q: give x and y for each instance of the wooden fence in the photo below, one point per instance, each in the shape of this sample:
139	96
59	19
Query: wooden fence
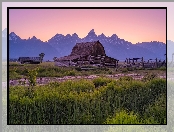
105	61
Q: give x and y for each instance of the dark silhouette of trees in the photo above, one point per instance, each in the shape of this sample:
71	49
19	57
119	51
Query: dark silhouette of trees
54	58
41	56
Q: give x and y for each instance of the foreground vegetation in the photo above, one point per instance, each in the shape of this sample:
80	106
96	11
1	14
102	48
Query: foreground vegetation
98	101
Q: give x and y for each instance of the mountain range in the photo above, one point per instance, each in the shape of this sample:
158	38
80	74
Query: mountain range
60	45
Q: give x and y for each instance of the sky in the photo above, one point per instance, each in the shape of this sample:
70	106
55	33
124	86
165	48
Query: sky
133	25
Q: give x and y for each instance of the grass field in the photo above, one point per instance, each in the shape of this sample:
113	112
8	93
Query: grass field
90	102
47	69
98	101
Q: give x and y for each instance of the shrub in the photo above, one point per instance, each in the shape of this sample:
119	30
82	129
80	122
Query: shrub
101	81
123	117
13	74
110	72
124	70
157	110
125	78
80	102
80	85
149	77
163	68
131	68
78	68
32	74
70	73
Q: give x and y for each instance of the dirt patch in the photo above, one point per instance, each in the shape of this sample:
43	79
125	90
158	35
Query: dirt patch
46	80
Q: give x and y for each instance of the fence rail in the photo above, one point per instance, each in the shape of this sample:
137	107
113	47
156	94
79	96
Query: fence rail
105	61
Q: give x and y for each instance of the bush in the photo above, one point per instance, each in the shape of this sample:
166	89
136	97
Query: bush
32	74
149	77
78	68
110	72
157	110
98	82
13	74
163	68
124	70
131	68
125	78
80	102
123	117
78	86
70	73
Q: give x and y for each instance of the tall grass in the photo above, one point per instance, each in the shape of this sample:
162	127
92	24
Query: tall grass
87	102
48	69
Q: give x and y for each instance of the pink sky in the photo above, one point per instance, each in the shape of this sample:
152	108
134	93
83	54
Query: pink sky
133	25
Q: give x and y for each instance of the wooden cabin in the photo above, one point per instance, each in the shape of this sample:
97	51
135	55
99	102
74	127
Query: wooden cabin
88	53
31	60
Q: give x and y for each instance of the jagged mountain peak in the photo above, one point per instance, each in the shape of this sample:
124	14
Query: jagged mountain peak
114	46
114	35
58	35
92	31
34	38
13	34
68	35
75	35
91	34
102	35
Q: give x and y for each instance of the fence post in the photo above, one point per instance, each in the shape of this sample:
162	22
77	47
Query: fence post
126	60
89	59
80	62
129	60
116	65
156	63
143	62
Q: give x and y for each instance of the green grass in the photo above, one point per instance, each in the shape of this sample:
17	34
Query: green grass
97	101
89	102
47	69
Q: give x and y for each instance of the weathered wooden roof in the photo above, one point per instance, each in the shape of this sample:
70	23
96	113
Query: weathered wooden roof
84	49
29	58
87	44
